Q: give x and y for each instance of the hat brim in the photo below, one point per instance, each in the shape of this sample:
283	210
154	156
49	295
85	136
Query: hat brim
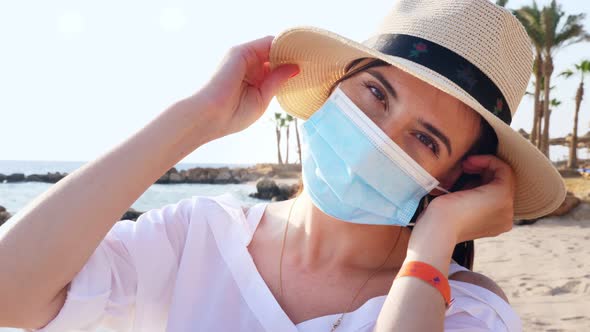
322	57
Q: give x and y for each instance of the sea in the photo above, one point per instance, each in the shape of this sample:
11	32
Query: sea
14	196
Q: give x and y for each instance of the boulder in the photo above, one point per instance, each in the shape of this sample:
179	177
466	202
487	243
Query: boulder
54	177
197	175
288	190
224	176
34	178
176	178
131	214
15	177
183	175
266	189
164	178
4	215
2	177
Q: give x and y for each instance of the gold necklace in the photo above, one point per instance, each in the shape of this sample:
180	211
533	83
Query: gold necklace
339	320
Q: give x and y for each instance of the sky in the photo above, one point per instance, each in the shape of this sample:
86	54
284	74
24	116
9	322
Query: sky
79	77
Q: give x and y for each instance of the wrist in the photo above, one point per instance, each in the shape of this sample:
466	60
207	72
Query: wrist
203	116
431	243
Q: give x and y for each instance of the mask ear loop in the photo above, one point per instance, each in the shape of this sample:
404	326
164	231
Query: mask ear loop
443	189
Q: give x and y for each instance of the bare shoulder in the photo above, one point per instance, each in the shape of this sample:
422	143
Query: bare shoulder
479	280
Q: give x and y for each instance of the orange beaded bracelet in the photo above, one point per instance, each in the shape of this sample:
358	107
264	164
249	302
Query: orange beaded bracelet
430	274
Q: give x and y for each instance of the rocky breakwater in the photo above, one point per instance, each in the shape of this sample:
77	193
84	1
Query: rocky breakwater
225	175
21	177
209	175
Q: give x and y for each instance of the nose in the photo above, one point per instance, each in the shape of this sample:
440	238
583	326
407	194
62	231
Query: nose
396	127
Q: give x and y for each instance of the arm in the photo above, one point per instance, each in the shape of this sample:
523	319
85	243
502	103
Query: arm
417	306
487	210
56	233
45	244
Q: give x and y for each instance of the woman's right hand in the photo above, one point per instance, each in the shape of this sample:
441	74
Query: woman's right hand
243	85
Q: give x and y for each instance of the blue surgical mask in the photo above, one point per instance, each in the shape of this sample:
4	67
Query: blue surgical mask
354	172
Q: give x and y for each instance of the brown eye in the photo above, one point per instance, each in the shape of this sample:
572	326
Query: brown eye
428	142
376	92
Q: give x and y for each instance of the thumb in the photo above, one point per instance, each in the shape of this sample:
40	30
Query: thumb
275	79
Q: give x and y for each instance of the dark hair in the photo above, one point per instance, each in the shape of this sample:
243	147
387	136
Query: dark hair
486	143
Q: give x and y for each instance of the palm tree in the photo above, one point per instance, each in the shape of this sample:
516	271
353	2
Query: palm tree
288	119
298	141
582	68
530	17
556	36
279	123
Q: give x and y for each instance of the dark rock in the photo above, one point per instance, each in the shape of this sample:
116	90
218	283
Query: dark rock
2	177
197	175
176	178
266	189
168	176
54	177
164	178
224	176
131	214
183	175
171	176
16	177
2	208
4	215
288	190
279	198
34	178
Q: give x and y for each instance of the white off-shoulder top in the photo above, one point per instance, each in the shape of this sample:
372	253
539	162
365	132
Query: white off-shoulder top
186	267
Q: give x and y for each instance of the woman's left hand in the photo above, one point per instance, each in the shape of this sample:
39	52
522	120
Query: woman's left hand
482	211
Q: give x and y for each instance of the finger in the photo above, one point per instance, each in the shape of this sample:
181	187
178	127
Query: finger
261	47
501	171
275	79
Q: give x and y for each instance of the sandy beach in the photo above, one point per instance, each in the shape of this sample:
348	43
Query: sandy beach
544	269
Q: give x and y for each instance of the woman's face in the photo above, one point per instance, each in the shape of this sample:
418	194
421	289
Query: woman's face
434	128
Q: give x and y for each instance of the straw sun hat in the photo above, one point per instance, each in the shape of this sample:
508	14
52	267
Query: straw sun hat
471	49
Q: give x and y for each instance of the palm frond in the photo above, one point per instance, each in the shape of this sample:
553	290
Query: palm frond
501	3
567	73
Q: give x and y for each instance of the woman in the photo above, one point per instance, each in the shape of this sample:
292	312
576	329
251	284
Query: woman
417	111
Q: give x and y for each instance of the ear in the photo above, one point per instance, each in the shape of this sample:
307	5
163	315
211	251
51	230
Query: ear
449	179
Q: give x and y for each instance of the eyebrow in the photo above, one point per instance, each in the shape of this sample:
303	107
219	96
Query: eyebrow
436	132
383	81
